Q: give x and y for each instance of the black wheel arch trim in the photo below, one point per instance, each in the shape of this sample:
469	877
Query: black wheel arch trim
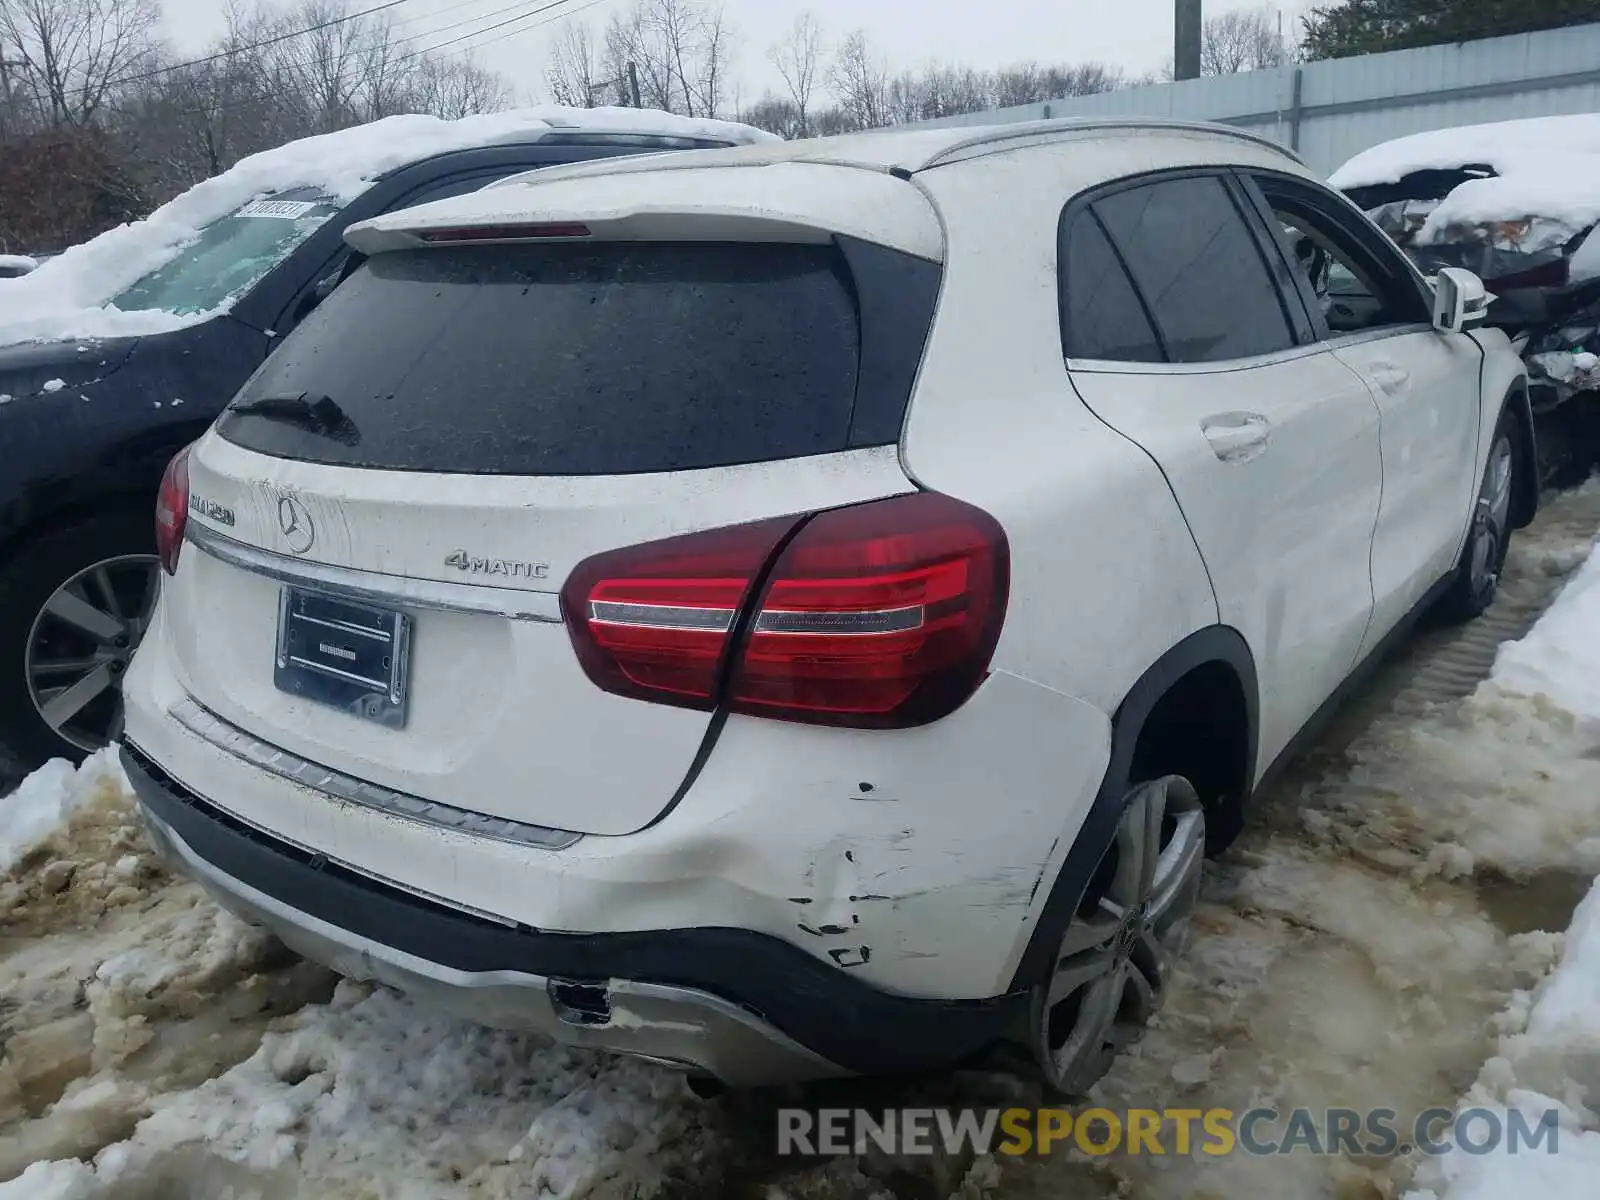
1214	644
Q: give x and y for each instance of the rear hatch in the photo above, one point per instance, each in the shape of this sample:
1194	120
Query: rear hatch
383	520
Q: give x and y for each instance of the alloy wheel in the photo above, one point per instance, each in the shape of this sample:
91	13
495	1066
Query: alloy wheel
81	642
1116	957
1491	517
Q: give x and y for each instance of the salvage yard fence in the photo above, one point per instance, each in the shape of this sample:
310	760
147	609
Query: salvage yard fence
1328	111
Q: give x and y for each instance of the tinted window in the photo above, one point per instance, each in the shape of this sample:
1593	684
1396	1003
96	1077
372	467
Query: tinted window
1101	314
1198	268
571	359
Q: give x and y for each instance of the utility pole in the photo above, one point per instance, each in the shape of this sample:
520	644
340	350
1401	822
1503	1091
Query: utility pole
1186	39
631	79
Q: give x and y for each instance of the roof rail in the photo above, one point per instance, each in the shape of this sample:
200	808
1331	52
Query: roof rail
997	135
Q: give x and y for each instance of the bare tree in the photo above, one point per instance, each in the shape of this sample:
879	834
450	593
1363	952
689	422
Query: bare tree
775	114
1021	83
681	50
630	39
573	73
1084	79
714	52
798	58
860	81
98	121
833	119
327	63
1242	39
938	91
68	57
454	88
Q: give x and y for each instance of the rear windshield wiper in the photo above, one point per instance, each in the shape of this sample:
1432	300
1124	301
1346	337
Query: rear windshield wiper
320	414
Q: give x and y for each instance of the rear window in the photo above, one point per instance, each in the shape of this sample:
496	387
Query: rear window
572	359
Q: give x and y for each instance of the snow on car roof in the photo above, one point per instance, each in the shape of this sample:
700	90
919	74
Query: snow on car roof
68	295
1545	167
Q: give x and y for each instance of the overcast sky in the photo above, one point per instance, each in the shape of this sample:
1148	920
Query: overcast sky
1133	34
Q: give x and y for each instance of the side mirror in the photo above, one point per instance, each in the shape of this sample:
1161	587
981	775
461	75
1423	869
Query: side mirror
1460	301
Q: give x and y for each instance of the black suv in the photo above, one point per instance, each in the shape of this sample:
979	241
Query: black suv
78	565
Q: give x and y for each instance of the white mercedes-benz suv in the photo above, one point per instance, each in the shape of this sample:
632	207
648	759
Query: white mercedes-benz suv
808	609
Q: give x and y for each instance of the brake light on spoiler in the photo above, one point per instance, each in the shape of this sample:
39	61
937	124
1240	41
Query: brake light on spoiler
878	615
503	233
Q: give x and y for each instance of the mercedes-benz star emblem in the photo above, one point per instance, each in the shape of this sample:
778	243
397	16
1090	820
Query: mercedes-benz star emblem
295	522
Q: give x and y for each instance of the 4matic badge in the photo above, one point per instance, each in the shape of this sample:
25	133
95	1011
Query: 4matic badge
476	565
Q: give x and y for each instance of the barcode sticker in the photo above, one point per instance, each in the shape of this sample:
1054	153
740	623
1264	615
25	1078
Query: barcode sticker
289	210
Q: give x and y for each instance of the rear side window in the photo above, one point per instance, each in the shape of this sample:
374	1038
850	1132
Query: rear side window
1102	315
1198	268
578	359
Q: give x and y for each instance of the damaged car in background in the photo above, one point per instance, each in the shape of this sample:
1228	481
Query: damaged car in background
1518	204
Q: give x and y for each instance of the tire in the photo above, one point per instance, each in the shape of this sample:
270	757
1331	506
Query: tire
1476	579
44	654
1111	971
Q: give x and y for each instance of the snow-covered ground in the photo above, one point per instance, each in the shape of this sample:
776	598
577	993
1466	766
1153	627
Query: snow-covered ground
1547	1054
69	295
1387	933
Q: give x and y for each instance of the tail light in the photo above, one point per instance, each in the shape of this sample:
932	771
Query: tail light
172	510
879	615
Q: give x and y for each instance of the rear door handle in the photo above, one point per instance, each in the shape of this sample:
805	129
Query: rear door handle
1237	436
1389	377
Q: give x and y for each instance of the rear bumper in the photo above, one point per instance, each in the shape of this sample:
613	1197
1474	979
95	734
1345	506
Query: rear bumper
741	1006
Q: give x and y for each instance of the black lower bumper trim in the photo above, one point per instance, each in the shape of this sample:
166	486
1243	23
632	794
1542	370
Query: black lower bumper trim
822	1007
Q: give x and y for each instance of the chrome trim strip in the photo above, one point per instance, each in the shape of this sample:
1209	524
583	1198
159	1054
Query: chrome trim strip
374	587
376	635
336	785
660	616
420	893
848	622
1099	366
305	663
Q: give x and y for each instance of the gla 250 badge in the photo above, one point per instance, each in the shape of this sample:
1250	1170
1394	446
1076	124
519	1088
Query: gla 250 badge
474	564
210	509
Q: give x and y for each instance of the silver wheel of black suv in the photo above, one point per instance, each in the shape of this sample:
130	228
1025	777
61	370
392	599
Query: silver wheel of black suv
1113	965
75	601
80	645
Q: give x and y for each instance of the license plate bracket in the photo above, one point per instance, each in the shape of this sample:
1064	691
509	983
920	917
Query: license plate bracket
343	653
